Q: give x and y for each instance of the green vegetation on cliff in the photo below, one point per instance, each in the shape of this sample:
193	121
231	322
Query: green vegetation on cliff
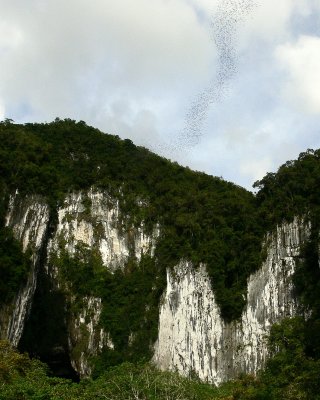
202	218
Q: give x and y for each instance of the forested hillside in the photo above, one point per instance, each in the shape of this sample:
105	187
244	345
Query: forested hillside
202	218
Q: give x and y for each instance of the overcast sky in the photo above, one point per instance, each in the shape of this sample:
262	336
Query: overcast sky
229	87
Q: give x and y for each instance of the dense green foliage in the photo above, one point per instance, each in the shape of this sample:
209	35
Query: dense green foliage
289	375
293	190
307	273
24	379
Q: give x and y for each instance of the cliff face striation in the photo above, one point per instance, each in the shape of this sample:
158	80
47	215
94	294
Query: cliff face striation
192	336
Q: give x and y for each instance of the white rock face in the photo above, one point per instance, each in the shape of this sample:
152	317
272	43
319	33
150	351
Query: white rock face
98	226
28	217
194	338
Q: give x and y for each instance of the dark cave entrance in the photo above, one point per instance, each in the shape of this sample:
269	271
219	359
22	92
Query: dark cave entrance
45	332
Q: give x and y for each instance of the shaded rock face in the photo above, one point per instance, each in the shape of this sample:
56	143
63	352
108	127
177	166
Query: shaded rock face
86	337
193	338
29	220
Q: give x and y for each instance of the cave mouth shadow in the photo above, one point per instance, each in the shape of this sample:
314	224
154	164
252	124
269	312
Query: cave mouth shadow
45	334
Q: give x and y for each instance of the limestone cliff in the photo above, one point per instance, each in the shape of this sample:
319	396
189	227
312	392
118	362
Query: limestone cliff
86	220
192	335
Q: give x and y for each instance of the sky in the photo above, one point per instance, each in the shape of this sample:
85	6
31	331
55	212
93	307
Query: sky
228	87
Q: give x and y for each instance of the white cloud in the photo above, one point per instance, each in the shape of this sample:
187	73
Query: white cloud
255	168
2	111
270	22
301	63
138	123
10	36
77	52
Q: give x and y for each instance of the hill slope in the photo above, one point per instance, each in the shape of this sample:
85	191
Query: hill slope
203	218
63	167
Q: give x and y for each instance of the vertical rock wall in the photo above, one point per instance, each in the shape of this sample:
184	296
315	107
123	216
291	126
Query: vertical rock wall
192	335
28	217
